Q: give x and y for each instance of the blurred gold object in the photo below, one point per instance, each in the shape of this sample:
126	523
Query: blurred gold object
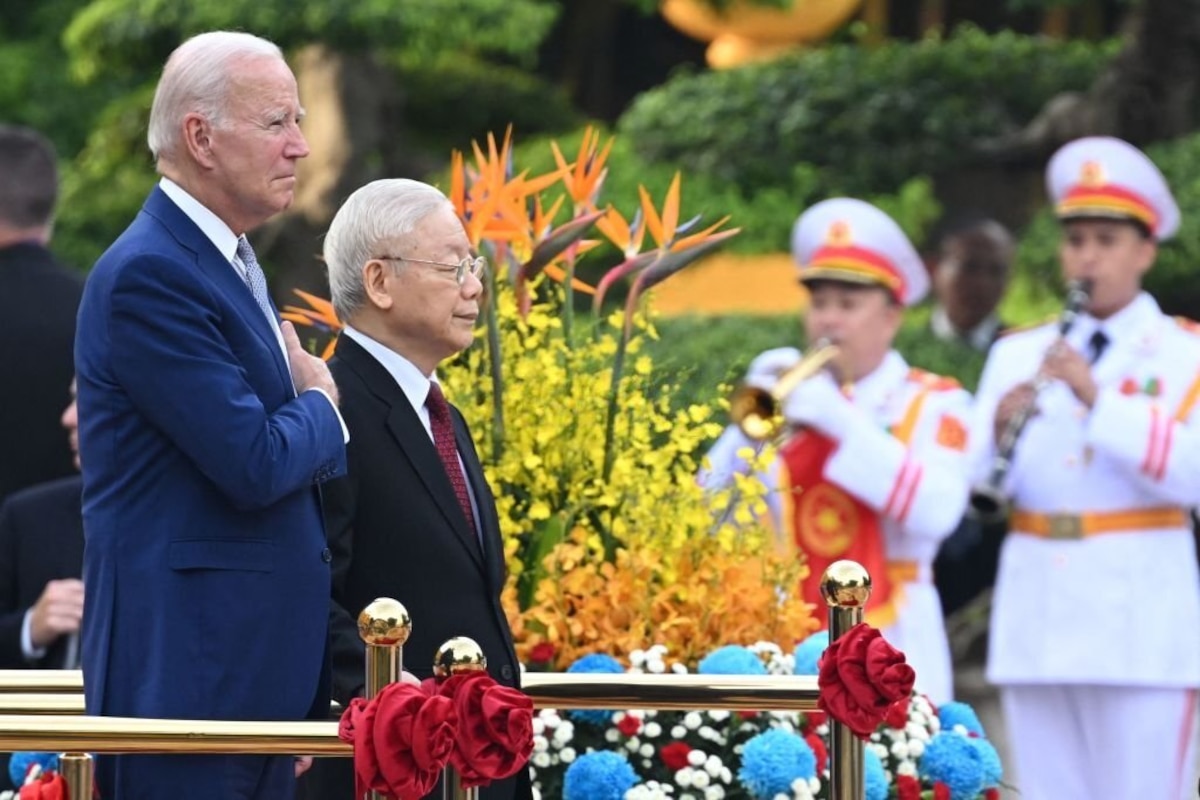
78	771
758	412
385	622
846	587
458	655
384	625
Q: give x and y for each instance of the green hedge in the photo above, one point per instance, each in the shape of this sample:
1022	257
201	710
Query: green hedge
765	216
867	119
1173	280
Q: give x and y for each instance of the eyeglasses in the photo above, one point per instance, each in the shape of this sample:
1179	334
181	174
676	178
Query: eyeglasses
475	265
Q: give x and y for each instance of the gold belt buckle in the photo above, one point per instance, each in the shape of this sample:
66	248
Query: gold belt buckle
1066	527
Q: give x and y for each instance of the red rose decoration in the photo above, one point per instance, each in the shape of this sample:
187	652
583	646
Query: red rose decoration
907	788
495	728
47	786
861	675
402	740
897	714
542	653
629	725
675	755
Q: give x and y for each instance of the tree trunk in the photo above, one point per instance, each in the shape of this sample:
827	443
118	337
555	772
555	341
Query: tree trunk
1148	92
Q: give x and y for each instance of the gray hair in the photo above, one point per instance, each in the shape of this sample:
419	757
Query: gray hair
196	79
374	216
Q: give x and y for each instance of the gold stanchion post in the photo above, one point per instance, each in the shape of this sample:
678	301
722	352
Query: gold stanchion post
78	771
457	656
384	626
845	587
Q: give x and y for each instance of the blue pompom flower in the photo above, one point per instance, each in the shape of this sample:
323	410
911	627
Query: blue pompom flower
809	652
19	764
732	659
989	760
876	781
601	775
954	760
772	760
953	714
594	662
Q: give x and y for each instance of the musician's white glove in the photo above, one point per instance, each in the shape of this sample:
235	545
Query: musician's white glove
819	404
765	369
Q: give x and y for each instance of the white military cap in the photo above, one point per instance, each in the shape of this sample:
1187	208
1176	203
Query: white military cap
851	241
1103	177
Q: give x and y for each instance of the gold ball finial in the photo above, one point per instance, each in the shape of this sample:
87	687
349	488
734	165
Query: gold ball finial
458	655
846	584
384	622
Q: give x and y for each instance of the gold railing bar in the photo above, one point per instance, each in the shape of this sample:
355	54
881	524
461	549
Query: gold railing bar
671	692
41	680
124	735
581	690
61	704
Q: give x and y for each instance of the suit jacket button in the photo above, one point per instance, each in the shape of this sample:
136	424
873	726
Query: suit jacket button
326	556
506	672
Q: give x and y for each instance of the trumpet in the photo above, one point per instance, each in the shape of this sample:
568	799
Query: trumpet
758	412
988	503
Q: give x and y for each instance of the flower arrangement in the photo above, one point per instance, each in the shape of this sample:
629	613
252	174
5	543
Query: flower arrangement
609	540
919	752
36	777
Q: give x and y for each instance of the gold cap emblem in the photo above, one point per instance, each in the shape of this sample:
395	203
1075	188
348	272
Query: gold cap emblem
839	235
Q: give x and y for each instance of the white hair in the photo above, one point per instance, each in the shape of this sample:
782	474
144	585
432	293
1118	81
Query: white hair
375	217
196	79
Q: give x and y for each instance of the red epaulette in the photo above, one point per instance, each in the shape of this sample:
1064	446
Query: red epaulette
932	381
1188	325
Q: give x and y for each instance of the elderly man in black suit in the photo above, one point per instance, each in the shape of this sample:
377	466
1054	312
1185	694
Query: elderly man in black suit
41	297
414	518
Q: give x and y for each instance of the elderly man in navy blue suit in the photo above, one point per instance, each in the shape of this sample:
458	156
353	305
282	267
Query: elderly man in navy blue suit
206	430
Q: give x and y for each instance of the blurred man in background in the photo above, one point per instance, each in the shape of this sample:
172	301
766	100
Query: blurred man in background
971	273
41	297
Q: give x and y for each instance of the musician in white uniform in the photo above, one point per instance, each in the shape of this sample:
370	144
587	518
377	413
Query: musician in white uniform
1095	631
874	470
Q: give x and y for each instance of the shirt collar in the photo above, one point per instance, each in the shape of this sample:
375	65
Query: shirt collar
877	387
1122	327
411	380
222	237
980	337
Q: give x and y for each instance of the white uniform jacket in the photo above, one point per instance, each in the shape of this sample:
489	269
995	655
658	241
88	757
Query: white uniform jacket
1120	607
919	488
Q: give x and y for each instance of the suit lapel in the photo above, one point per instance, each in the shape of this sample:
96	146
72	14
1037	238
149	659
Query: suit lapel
411	437
221	272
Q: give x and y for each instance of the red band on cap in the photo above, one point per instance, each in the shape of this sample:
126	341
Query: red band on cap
1108	199
859	261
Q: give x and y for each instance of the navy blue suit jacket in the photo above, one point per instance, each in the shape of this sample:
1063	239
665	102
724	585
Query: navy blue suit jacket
205	564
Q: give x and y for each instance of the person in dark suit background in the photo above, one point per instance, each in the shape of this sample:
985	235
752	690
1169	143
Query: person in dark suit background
41	595
414	518
41	297
41	554
206	430
971	272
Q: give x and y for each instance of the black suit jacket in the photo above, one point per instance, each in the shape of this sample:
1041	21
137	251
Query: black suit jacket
396	530
41	298
41	539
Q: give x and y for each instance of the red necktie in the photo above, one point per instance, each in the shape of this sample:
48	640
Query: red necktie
443	439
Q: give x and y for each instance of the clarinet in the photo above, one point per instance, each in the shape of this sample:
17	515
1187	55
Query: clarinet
988	503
